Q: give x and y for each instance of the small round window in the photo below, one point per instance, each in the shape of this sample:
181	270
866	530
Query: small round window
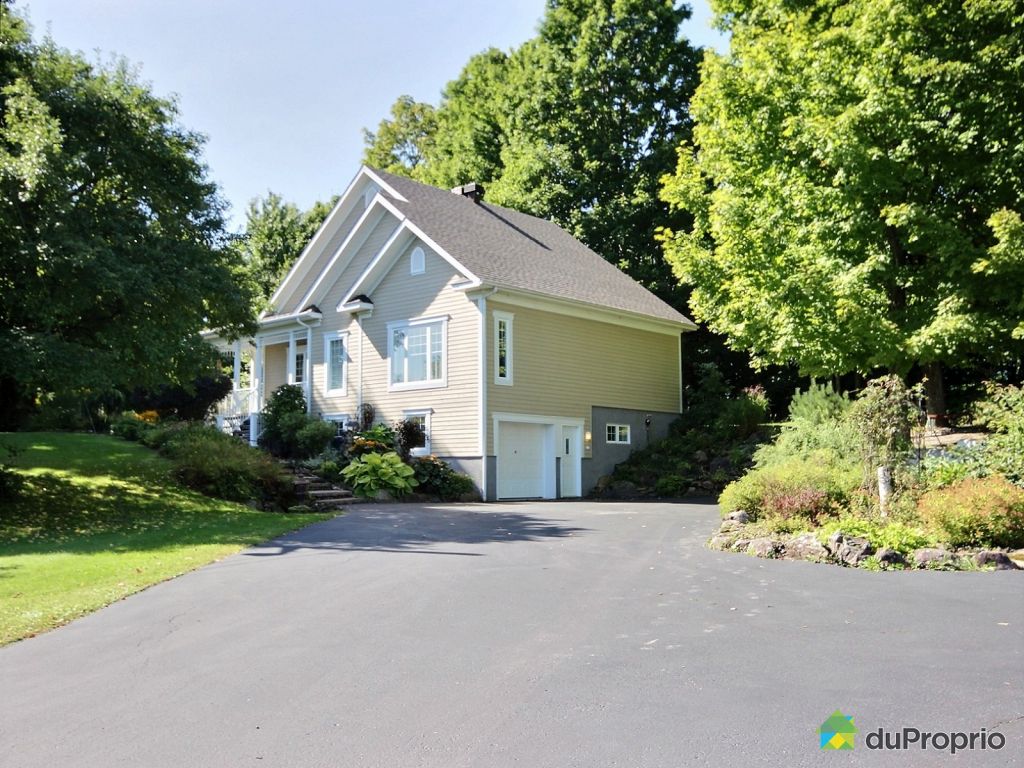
417	262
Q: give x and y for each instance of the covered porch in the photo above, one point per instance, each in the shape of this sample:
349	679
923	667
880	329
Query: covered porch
278	354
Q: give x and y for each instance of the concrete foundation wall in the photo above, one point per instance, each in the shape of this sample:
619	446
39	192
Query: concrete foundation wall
605	455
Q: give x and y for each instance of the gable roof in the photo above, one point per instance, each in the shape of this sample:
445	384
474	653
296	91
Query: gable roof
507	249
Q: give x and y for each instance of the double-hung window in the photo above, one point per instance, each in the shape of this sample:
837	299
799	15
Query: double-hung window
335	356
417	353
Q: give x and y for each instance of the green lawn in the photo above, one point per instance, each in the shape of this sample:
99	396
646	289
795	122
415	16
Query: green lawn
101	518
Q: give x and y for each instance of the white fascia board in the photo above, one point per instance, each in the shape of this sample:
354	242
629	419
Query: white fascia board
381	183
384	261
579	309
360	227
296	318
334	218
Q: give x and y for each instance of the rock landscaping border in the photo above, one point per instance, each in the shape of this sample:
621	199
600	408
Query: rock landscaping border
737	535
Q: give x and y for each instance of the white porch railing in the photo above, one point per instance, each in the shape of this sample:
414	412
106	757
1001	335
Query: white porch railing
234	409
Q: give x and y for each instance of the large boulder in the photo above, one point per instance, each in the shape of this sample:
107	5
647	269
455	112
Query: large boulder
805	547
932	557
722	541
739	516
720	464
849	550
1000	560
764	546
890	558
729	525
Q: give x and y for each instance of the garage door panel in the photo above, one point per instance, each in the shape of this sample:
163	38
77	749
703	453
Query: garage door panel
520	460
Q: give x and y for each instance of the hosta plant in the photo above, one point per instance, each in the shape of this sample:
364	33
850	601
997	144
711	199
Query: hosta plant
372	473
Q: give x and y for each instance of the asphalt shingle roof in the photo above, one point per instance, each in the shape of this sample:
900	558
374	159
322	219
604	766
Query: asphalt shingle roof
509	249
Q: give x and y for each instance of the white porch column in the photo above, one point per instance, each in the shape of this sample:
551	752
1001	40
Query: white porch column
307	370
257	392
292	349
236	374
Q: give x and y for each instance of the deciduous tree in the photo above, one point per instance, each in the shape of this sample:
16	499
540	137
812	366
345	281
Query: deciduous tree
112	254
856	180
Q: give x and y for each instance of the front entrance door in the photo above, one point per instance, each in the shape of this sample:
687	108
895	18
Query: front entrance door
570	452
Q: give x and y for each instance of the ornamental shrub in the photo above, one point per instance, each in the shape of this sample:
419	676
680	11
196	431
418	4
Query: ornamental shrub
805	488
437	477
892	534
132	426
368	475
288	431
215	464
979	512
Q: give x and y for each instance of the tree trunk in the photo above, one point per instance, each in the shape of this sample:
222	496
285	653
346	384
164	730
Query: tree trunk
935	392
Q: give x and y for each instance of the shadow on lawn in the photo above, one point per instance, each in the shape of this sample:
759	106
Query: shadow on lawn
412	528
54	514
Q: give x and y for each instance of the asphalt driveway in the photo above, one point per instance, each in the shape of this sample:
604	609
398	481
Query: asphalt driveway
534	635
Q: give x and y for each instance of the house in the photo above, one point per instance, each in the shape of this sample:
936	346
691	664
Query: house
532	364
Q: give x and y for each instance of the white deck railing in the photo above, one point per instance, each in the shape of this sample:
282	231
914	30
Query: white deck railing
234	409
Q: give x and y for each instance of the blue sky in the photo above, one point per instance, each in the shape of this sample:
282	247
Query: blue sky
283	90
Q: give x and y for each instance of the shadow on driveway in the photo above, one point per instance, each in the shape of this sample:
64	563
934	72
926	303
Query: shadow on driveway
415	528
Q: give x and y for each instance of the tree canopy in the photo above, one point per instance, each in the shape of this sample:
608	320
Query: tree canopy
856	178
576	125
112	248
276	232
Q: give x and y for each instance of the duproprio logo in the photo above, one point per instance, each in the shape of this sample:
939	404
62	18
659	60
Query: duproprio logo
837	732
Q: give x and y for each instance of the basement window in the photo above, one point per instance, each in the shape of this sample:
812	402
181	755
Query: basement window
617	433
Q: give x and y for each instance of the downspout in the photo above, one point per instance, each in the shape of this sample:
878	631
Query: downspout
482	304
359	414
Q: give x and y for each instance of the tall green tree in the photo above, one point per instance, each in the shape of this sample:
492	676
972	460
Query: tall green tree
112	251
402	140
576	125
856	179
276	232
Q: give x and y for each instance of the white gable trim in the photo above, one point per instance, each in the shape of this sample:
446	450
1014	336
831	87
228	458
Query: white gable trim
348	241
381	183
341	210
334	219
379	267
377	259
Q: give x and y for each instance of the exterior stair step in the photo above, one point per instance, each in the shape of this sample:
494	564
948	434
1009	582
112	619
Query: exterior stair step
327	504
332	493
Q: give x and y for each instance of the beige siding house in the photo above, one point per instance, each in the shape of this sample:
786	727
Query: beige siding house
534	365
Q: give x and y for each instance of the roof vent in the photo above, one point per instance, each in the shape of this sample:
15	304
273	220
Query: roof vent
473	191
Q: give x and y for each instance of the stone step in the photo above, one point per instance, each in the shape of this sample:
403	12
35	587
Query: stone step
328	504
332	493
312	485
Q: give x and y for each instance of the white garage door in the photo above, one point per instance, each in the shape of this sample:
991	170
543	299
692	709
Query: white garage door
520	460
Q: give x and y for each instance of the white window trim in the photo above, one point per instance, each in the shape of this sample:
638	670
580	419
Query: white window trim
618	428
508	318
299	373
340	419
422	261
328	338
426	414
441	383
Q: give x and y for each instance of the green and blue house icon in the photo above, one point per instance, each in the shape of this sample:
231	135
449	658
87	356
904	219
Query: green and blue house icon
837	732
